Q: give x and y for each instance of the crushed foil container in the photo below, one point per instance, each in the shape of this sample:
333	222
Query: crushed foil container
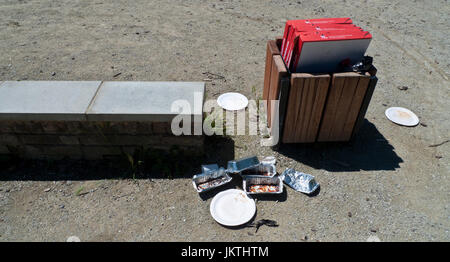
211	167
299	181
210	179
263	170
262	185
237	166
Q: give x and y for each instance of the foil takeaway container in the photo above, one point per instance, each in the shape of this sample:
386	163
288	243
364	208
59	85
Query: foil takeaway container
237	166
210	180
263	170
299	181
211	167
262	185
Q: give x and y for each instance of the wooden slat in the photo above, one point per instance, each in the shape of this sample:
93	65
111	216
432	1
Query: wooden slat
267	72
358	97
331	106
365	104
321	88
345	102
279	41
296	118
345	98
301	114
272	49
305	105
292	109
283	98
278	71
308	111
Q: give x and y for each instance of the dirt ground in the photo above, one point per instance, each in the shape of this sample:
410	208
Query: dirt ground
388	184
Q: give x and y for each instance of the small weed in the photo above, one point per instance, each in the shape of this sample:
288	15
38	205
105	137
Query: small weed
257	104
79	190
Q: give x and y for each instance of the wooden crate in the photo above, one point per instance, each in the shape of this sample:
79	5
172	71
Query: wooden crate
315	107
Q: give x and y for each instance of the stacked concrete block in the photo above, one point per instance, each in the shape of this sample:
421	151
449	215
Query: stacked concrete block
93	119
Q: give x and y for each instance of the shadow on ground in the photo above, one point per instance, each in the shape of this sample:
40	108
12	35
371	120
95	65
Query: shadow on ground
369	150
155	164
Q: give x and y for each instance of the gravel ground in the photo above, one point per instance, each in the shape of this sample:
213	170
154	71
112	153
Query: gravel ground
389	183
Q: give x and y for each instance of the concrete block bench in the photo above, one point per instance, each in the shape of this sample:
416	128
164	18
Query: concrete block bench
94	119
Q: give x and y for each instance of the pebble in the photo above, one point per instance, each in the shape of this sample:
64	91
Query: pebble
373	239
73	239
47	189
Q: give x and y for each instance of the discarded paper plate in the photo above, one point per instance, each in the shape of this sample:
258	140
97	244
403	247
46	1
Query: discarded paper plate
232	207
402	116
232	101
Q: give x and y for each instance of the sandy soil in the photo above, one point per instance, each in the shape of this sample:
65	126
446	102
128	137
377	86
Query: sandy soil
388	183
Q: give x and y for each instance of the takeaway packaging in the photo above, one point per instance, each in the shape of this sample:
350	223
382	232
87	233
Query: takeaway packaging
323	46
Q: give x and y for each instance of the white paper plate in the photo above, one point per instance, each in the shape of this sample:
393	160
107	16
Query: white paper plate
232	207
401	116
232	101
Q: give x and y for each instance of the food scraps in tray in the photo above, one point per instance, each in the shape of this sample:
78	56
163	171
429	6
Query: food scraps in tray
211	183
263	188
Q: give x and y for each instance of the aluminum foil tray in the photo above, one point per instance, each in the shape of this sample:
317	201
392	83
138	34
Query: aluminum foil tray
210	180
237	166
263	170
211	167
299	181
262	185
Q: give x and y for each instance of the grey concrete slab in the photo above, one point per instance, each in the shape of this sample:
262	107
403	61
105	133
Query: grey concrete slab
144	101
46	100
